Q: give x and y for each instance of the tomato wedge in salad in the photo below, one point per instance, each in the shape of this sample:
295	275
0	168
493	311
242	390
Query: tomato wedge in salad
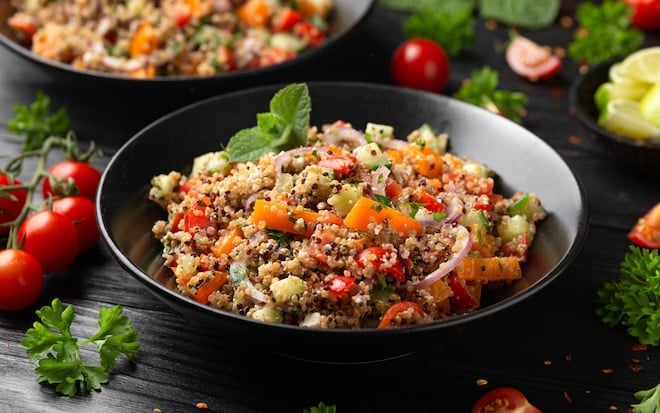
646	232
531	60
504	400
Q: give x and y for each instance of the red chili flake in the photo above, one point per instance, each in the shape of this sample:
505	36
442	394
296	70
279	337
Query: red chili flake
636	367
608	371
639	347
568	398
575	140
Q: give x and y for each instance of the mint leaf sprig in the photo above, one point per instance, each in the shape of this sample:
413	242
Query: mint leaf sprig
481	90
633	301
57	351
284	127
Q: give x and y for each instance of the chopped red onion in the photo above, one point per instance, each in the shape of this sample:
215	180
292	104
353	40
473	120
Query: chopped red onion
253	294
459	251
292	153
343	134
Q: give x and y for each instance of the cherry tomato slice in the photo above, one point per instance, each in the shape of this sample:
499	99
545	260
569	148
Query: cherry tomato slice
21	279
340	165
645	14
340	285
398	308
377	256
504	400
420	64
462	300
646	232
530	60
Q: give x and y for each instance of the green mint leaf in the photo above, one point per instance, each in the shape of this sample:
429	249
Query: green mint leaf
450	6
35	123
248	145
454	31
527	14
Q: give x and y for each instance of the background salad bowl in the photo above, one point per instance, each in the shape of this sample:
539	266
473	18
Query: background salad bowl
346	17
521	160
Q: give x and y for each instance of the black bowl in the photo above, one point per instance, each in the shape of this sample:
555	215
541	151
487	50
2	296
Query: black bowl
347	17
523	161
642	156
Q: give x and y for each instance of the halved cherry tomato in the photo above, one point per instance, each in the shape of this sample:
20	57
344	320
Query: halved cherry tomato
420	64
23	22
81	211
645	14
392	188
340	165
21	279
646	232
430	202
377	256
309	33
398	308
462	300
340	285
196	219
530	60
85	177
11	201
285	19
51	238
504	400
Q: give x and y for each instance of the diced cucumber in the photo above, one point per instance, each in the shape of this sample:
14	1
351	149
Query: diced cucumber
283	290
474	216
425	136
268	313
287	41
529	206
163	185
377	129
345	199
211	162
370	156
311	320
511	227
476	168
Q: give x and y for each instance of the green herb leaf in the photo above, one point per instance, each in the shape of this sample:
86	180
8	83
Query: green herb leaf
58	352
481	90
36	123
527	14
633	301
449	6
649	401
322	408
604	32
284	127
454	31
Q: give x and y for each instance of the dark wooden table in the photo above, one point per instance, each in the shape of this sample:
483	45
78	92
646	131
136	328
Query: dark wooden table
552	346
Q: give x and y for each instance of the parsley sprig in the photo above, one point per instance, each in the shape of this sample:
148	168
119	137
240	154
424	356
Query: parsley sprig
284	127
37	123
649	401
57	351
481	90
322	408
604	32
633	300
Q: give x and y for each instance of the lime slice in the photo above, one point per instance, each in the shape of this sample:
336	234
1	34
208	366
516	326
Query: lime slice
624	117
617	77
615	91
643	65
649	106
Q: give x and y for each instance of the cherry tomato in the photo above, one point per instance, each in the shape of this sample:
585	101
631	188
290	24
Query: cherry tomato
377	256
81	211
645	14
504	400
11	202
84	175
21	279
462	300
309	33
398	308
51	238
530	60
340	165
420	64
196	219
340	285
646	232
285	19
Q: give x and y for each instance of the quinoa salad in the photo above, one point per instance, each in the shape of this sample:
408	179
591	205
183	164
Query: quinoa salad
353	229
146	38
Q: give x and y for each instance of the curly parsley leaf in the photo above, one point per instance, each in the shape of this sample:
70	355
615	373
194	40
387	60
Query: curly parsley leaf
36	123
322	408
649	401
603	32
284	127
528	14
454	31
481	90
57	351
633	300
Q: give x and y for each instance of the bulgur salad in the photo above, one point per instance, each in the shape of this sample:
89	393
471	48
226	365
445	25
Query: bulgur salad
147	38
341	227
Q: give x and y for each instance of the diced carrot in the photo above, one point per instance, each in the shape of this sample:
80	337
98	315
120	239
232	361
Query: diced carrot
281	217
144	40
254	13
482	242
314	7
146	72
202	285
489	269
225	244
441	293
366	211
427	162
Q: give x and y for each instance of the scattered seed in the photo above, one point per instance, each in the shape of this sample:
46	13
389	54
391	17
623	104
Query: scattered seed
482	382
202	405
608	371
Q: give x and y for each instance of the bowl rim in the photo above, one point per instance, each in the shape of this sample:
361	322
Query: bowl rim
192	306
235	75
589	121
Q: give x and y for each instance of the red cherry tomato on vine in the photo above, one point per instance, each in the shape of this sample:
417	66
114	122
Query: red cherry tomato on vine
504	400
11	202
21	279
420	64
81	211
530	60
84	175
645	14
646	232
51	238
